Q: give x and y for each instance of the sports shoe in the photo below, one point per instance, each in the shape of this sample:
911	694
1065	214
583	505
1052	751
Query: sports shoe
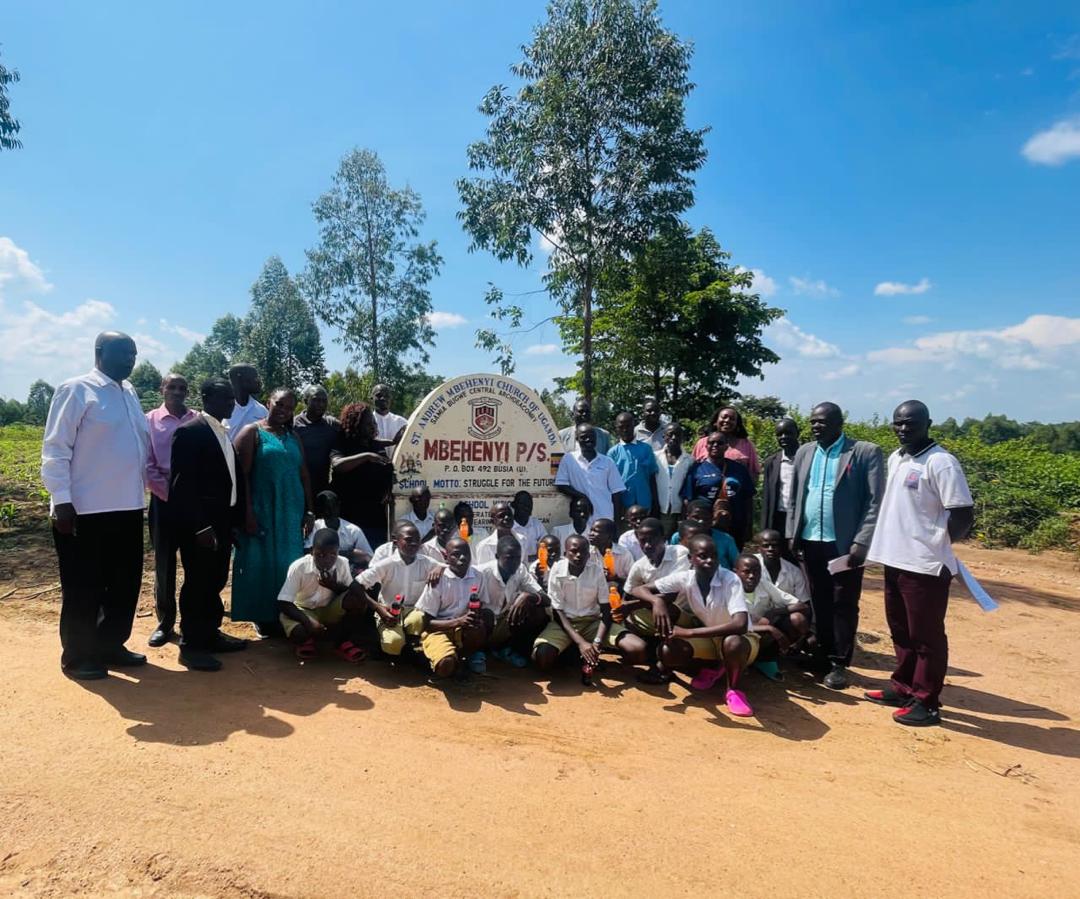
887	696
737	704
506	654
478	662
706	678
915	714
837	679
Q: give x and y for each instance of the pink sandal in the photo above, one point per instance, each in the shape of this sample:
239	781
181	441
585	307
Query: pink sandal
706	678
306	651
738	705
350	652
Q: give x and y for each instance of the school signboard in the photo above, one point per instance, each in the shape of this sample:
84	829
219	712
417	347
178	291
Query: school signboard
480	438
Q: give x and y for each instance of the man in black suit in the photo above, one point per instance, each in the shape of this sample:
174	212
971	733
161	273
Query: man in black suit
776	479
203	491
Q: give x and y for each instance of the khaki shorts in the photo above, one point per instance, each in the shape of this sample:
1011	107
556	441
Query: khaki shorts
392	637
327	615
554	635
641	622
708	649
439	645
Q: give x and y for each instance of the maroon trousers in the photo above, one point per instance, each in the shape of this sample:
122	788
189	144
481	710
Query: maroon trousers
915	606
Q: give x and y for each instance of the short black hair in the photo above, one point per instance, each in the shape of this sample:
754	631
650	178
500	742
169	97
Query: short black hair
651	524
325	499
212	385
325	538
507	542
746	557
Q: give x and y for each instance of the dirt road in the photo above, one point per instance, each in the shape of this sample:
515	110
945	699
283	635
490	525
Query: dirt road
271	779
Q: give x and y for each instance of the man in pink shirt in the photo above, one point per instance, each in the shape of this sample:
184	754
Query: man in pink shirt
163	422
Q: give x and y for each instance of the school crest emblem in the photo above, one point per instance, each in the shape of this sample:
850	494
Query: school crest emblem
485	418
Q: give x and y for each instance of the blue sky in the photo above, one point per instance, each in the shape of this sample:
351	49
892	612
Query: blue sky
903	178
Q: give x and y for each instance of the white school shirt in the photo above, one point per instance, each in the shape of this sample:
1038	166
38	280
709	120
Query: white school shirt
96	445
302	587
385	551
450	597
388	425
533	531
486	548
912	531
350	537
578	596
724	601
655	439
669	484
562	531
629	541
434	550
676	558
227	450
620	556
398	578
423	525
244	415
598	480
790	579
767	597
499	593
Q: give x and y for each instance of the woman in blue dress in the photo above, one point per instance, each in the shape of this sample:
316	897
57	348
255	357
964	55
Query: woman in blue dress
278	512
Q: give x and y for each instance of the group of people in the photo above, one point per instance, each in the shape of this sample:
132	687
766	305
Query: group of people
659	565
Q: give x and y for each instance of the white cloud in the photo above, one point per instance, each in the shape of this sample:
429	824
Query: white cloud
846	371
1055	146
1032	345
16	267
762	284
440	320
892	288
169	327
817	288
789	336
917	319
542	349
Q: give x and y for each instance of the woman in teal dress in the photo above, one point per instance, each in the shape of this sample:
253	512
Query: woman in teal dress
278	513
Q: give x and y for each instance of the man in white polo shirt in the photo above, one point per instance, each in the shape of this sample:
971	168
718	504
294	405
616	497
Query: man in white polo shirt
927	506
585	472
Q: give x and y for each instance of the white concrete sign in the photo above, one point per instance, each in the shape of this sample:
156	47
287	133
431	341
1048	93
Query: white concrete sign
480	438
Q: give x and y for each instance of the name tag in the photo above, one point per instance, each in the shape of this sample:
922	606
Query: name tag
911	481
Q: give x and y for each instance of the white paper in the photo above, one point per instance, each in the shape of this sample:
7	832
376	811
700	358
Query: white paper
840	563
984	599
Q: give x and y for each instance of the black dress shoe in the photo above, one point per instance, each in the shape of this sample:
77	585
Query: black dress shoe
197	660
86	671
838	678
161	636
123	658
225	643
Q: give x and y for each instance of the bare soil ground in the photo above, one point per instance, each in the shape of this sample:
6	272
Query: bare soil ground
275	779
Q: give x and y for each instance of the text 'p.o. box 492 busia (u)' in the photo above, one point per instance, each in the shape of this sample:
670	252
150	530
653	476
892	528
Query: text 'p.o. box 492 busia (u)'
481	438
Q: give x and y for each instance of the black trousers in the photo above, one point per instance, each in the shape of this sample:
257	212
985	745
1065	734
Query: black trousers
205	574
164	538
100	577
835	600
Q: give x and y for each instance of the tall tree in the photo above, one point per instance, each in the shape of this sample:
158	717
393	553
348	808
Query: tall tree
592	153
38	402
368	277
146	379
9	127
676	321
279	334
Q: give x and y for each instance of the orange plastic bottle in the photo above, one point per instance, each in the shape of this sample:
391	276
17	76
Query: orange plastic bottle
609	562
615	601
542	557
463	529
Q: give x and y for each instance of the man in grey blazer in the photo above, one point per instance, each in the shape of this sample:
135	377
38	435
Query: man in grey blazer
836	491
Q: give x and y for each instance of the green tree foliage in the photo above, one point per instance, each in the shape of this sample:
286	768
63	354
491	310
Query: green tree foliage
677	322
592	152
38	402
409	388
9	127
11	411
767	407
279	335
146	380
368	277
201	362
558	407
